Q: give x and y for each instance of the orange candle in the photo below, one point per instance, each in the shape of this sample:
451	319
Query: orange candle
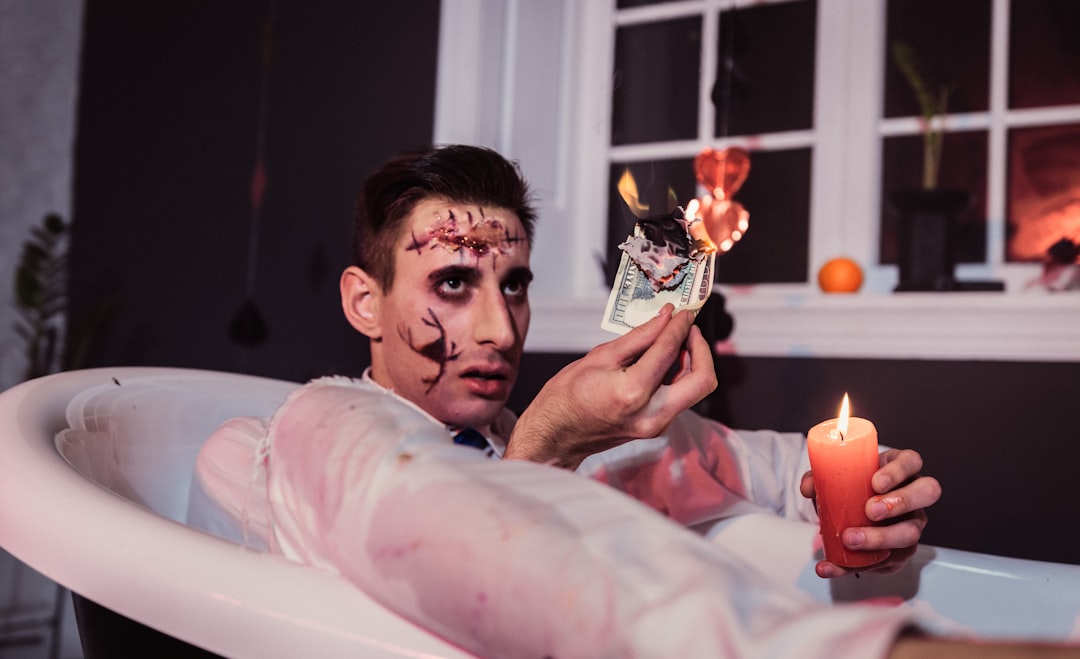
843	458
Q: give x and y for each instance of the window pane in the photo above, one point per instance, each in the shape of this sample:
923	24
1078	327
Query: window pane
951	42
773	249
655	96
963	167
765	69
1044	190
1044	53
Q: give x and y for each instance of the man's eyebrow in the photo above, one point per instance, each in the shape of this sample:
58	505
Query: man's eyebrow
520	273
456	271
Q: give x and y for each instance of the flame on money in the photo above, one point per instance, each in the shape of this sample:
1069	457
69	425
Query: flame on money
724	221
627	188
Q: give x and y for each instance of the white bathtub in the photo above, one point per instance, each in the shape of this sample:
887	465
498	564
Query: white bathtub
105	519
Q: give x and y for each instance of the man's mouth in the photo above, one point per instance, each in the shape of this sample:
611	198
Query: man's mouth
485	375
487	383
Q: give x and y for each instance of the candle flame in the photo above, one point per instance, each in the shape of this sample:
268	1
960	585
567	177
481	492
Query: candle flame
842	422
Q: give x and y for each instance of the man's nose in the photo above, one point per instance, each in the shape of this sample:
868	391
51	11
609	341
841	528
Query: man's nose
495	324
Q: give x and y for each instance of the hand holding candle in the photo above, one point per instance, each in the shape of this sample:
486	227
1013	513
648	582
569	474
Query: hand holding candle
843	458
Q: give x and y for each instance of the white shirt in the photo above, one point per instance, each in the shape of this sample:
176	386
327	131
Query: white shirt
510	558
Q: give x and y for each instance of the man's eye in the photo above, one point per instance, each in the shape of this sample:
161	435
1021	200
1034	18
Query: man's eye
516	288
452	286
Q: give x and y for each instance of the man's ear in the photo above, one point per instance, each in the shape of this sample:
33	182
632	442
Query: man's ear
360	296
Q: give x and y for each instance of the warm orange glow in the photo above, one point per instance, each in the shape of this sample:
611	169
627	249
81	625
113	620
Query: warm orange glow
696	228
1044	190
627	188
845	413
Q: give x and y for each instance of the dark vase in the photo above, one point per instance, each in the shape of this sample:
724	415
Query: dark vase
926	232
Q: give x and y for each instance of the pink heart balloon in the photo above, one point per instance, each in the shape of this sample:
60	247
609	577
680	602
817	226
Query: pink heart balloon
722	172
725	221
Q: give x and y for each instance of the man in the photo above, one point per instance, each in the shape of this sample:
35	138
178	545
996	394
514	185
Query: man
440	287
361	477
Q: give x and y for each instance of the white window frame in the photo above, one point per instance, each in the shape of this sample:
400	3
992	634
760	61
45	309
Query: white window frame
531	78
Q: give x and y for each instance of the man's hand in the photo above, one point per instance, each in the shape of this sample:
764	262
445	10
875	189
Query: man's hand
902	496
617	392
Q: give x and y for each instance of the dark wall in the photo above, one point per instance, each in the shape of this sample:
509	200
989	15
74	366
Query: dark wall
167	141
1001	437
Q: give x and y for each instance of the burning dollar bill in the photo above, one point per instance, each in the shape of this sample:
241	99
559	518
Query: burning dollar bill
669	258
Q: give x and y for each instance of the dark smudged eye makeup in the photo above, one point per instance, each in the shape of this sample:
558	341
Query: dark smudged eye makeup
451	288
453	282
456	283
516	288
517	284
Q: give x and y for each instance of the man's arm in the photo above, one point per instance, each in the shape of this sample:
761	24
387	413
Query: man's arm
617	392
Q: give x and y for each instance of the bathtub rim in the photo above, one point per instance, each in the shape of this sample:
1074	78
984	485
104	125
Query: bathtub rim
223	604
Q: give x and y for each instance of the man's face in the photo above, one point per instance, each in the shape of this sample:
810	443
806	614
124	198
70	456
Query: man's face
454	321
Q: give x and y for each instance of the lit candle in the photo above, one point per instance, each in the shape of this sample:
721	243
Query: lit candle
844	457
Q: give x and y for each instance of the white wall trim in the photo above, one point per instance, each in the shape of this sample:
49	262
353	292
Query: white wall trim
1037	327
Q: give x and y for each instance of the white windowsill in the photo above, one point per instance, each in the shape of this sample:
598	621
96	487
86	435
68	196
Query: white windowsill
799	322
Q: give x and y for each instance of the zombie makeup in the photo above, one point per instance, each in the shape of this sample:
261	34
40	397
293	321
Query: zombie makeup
440	350
454	321
467	233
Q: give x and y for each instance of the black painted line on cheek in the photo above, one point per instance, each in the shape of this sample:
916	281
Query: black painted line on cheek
440	351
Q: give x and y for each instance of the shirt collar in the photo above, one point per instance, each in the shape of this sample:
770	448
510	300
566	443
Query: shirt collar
496	433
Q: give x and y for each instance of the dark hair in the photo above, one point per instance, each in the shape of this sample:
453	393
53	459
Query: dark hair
459	173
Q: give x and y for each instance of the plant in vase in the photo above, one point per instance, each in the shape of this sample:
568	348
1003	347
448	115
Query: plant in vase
927	215
932	104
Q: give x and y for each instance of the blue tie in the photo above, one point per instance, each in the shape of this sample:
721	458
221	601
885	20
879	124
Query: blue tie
470	437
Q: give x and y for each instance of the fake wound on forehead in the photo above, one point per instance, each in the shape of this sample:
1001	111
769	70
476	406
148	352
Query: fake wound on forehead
477	233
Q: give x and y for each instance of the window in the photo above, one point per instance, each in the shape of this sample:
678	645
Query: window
809	88
691	75
1014	125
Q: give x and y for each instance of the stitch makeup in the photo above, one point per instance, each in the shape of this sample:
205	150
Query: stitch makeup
479	235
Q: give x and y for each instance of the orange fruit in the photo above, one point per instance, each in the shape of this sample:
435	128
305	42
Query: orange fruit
840	275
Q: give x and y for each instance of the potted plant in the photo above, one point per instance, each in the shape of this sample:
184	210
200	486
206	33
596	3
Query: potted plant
53	341
41	295
927	215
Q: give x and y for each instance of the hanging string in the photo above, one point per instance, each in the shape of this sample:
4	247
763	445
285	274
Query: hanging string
723	103
248	328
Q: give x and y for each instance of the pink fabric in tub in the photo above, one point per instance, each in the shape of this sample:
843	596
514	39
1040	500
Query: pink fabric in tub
228	493
513	559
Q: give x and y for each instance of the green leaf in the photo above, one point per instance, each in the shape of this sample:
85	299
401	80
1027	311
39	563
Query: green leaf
41	293
27	288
